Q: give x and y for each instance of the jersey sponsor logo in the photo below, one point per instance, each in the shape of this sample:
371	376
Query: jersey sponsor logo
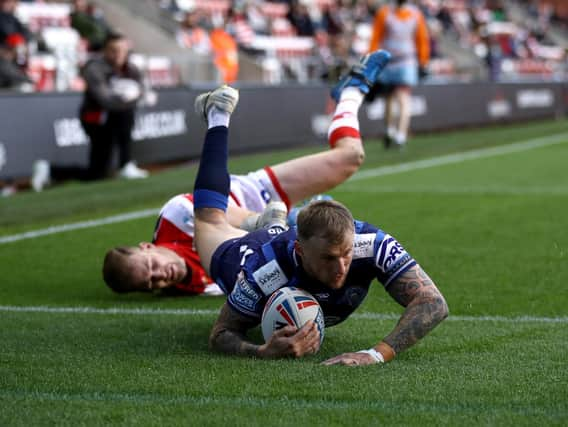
244	296
242	302
247	288
270	277
391	255
363	245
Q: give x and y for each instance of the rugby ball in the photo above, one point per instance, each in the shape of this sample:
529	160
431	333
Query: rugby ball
291	306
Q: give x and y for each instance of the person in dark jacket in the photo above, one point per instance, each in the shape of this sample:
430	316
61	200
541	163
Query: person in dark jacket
9	23
12	76
113	89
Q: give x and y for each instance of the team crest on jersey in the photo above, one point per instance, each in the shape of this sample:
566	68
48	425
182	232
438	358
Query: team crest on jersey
391	255
270	277
363	245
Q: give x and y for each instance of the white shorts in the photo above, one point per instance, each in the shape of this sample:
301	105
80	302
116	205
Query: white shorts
255	190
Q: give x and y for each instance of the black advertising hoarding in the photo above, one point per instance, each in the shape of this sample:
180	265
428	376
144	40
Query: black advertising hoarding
34	126
46	126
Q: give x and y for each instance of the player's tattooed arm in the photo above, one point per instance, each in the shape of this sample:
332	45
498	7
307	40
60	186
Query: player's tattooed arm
229	334
425	308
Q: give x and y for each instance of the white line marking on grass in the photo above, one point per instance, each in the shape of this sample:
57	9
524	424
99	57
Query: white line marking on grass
78	225
369	173
449	190
207	312
462	157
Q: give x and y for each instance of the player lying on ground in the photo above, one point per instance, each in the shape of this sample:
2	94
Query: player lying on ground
329	254
170	263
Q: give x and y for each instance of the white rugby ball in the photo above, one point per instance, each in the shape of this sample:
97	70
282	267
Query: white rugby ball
291	306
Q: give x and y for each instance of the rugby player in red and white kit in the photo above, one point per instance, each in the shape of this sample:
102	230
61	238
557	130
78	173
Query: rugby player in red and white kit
171	264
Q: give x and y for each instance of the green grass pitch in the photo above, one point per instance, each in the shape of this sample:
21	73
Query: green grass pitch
483	211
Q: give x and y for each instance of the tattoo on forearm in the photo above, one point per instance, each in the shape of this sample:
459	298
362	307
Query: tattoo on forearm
231	340
425	308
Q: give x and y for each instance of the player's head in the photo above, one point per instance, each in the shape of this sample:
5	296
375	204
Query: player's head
115	49
325	241
142	268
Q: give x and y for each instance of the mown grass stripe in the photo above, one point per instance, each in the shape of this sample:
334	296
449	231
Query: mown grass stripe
205	312
364	174
474	408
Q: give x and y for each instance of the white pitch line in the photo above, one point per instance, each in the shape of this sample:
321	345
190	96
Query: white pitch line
449	190
482	153
78	225
204	312
365	174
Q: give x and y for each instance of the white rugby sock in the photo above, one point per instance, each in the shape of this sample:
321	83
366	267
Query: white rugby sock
216	117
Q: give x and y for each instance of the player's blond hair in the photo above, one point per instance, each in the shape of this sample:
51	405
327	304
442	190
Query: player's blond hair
115	269
327	219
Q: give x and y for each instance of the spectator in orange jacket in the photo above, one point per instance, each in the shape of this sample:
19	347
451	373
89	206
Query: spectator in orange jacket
400	29
226	55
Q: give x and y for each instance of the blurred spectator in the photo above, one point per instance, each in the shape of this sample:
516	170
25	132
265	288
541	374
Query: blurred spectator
90	26
239	27
114	86
335	59
9	23
331	20
11	74
299	17
226	55
257	19
402	31
192	34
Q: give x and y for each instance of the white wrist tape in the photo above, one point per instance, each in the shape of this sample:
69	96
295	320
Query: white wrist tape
374	354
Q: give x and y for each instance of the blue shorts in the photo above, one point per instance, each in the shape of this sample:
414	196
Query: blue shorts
399	75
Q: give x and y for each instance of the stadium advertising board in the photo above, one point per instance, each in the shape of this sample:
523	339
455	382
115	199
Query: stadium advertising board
45	126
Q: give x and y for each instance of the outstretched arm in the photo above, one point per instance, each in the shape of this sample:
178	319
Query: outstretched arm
229	336
425	309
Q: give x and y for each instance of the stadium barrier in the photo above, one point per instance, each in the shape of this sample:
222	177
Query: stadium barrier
45	125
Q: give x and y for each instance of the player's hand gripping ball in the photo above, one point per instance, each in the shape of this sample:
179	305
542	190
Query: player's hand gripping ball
291	306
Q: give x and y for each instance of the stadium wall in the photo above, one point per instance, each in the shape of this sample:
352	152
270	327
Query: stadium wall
34	126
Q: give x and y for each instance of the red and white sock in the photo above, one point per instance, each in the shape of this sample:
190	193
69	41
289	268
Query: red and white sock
345	122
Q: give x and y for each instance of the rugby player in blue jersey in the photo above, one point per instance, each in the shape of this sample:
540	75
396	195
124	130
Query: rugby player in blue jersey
329	254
